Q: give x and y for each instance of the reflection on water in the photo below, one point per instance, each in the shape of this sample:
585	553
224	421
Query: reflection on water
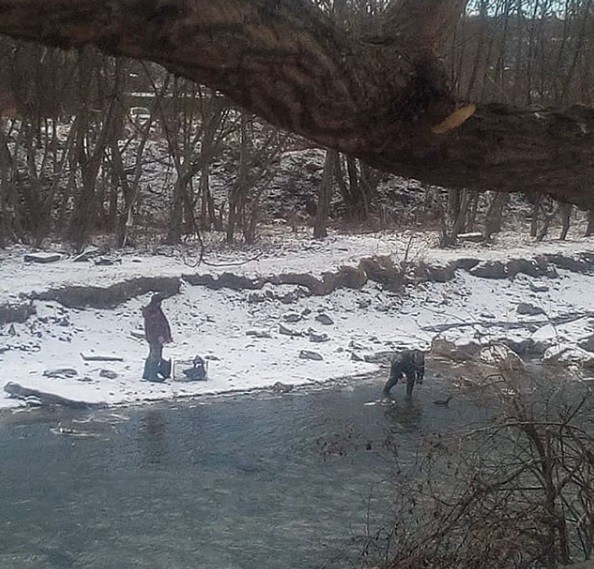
240	483
152	436
403	416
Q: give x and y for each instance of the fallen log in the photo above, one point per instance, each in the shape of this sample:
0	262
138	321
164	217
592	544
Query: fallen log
99	358
17	391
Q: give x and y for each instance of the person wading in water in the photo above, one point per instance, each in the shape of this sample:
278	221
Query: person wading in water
410	364
158	333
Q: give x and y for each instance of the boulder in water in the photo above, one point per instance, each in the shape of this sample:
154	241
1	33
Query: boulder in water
502	357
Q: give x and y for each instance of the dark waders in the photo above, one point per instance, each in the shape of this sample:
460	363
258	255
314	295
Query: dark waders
155	367
410	364
394	377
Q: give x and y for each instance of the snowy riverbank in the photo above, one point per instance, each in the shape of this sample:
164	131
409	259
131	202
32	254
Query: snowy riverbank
264	334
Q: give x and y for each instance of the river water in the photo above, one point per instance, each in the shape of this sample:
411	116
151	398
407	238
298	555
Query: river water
250	482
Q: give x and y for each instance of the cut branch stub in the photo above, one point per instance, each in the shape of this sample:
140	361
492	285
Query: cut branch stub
458	117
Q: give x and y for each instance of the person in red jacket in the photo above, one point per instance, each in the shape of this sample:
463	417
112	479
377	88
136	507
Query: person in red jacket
157	332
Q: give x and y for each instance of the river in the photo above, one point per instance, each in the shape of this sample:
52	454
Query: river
248	482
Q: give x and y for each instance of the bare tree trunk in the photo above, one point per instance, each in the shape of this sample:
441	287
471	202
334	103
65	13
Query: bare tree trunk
324	197
494	217
536	206
473	211
208	214
459	224
121	220
356	208
565	211
238	189
174	227
89	153
453	219
590	226
340	181
6	189
369	182
548	218
479	49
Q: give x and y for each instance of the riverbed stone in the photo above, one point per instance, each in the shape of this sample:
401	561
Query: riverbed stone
502	357
587	343
315	286
106	262
466	263
60	373
457	349
537	267
516	340
108	374
286	331
575	264
280	387
383	357
489	270
527	309
318	337
434	273
324	319
292	317
309	355
538	287
349	277
565	354
544	338
10	312
259	333
382	270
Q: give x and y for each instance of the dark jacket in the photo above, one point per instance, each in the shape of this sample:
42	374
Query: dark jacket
410	363
156	325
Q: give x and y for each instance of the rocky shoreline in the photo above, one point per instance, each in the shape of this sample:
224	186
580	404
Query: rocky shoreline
383	270
259	326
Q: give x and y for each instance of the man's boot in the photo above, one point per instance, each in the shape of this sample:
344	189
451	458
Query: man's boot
150	371
164	369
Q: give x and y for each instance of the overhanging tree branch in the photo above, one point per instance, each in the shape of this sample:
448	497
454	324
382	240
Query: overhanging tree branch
422	22
384	100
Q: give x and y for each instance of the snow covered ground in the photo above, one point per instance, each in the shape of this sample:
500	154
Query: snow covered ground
253	339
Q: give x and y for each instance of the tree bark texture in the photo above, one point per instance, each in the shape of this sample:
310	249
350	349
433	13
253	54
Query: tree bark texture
384	99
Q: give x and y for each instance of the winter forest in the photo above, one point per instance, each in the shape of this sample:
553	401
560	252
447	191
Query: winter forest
296	284
117	147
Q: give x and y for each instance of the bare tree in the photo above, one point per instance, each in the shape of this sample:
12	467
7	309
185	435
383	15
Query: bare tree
92	139
517	493
260	147
494	215
324	196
